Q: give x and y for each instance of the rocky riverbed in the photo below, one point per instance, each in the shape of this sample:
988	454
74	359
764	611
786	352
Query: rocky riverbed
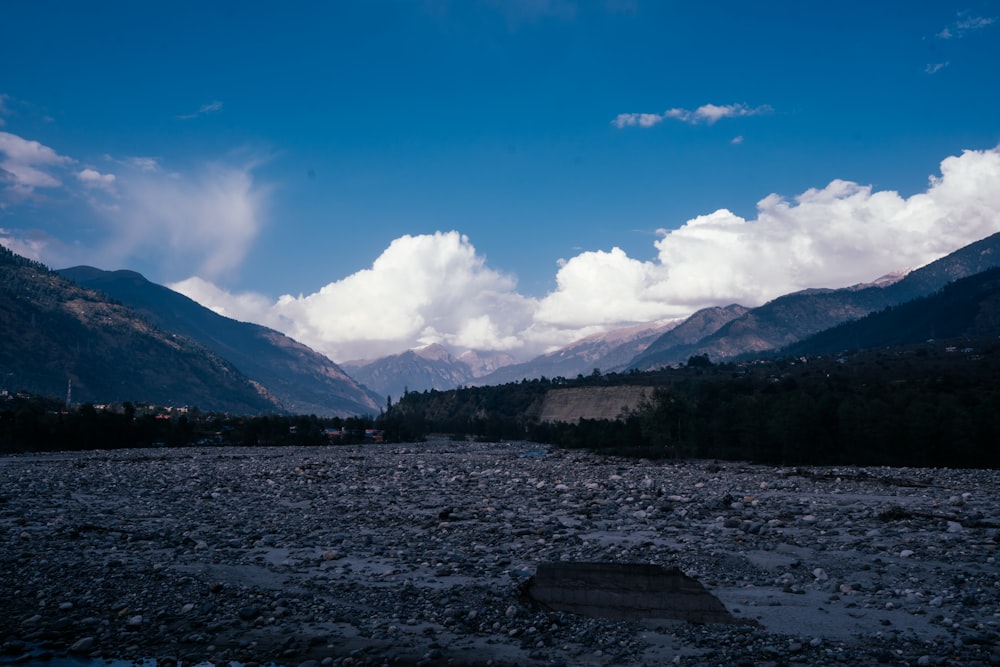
420	555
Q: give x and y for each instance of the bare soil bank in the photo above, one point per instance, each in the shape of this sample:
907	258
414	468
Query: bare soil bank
571	404
419	554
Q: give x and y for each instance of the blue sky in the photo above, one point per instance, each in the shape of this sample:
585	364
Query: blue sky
305	165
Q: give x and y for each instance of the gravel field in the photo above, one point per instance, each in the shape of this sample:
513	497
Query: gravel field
419	554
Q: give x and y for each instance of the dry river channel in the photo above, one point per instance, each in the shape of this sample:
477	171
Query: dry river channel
420	554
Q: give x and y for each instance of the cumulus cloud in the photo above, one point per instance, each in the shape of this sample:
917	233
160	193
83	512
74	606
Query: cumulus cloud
245	306
421	289
28	164
601	288
842	234
95	179
707	113
437	288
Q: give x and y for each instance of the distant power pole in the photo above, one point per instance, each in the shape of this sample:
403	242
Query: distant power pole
69	394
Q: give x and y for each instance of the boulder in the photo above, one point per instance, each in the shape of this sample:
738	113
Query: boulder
625	591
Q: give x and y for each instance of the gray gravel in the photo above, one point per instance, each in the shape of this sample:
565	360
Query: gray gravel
418	554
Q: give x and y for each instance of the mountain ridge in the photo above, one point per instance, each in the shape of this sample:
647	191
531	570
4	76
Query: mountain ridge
607	352
792	317
429	367
966	308
299	379
721	332
62	338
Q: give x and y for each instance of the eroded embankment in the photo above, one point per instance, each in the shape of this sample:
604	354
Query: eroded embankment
570	404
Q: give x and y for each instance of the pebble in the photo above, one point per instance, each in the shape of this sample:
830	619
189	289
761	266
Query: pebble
411	554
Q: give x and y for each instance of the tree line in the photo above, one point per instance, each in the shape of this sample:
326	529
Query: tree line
926	405
37	423
930	405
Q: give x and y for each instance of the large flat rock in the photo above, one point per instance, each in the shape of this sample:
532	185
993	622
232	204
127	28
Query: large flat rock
625	591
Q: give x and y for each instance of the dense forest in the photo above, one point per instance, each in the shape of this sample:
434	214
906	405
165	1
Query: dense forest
33	423
934	404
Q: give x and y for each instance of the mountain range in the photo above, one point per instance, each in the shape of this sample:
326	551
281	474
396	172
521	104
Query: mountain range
113	335
792	317
606	352
433	367
720	332
429	367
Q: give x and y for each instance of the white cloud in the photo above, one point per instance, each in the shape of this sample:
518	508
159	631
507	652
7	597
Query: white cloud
32	247
707	113
146	164
634	119
27	164
211	107
834	236
95	179
934	68
601	288
964	24
421	289
436	288
711	113
202	222
27	151
245	307
737	140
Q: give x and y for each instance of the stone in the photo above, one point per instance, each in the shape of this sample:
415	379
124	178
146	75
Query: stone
249	612
625	591
85	645
133	520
